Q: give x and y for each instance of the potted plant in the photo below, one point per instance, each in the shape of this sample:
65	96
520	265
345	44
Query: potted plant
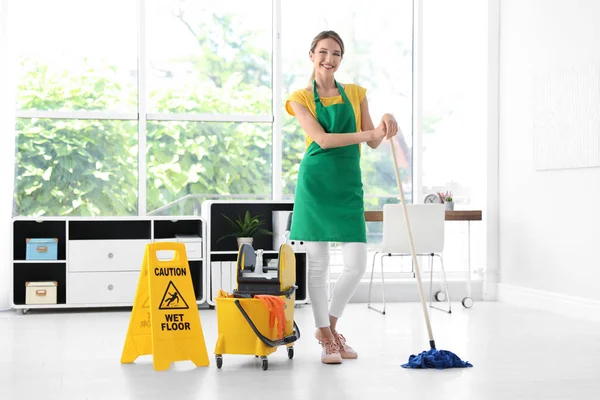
244	229
447	199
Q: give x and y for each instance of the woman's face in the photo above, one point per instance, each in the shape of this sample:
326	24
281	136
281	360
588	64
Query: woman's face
327	56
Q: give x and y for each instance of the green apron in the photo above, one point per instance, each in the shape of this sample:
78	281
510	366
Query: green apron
328	202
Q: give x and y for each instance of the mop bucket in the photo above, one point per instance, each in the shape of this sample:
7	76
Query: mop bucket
245	328
248	321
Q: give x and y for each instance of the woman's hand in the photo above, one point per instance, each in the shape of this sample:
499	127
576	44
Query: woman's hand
391	126
379	133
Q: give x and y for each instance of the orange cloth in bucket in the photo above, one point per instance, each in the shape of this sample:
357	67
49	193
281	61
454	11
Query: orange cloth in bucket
276	307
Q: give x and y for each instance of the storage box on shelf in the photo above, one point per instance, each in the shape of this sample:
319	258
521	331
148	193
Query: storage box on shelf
98	259
41	249
220	256
40	292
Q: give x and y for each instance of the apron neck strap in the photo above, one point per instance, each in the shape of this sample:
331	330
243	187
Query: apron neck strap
340	88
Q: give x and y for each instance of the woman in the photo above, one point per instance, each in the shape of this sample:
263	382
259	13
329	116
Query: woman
328	204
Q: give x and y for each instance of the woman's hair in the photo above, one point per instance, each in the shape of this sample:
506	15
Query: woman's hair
325	35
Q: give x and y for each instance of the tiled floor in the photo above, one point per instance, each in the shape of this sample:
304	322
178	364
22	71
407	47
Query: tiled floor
517	354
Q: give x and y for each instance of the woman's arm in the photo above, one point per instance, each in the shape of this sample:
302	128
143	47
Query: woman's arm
388	124
315	131
367	123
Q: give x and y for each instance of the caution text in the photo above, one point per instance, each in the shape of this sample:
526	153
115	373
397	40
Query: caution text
171	271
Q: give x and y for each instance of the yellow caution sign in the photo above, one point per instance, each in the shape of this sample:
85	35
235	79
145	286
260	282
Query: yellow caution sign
165	321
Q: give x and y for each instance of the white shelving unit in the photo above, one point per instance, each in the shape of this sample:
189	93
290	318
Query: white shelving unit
99	259
220	256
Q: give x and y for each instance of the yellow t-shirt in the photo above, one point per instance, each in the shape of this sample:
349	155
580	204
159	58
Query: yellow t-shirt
356	94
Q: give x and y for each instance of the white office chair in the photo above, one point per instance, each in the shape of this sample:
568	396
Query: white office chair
427	227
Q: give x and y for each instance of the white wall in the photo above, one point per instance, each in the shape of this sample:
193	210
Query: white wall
549	220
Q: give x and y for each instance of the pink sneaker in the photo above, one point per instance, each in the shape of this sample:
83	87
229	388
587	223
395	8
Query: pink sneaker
345	350
331	351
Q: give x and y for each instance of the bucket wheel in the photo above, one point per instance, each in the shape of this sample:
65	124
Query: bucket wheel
264	362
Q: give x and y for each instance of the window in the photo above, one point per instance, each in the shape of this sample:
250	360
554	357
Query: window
209	57
186	86
76	107
209	75
454	99
454	114
196	80
68	59
208	159
76	167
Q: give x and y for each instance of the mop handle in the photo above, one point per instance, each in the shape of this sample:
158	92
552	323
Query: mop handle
412	246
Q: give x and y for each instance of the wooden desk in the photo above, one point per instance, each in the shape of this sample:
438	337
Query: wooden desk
458	215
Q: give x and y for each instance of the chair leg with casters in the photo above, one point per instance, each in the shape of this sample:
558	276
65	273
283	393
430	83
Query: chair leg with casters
382	286
438	295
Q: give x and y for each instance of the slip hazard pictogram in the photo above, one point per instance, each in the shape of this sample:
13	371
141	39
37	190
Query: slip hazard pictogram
172	299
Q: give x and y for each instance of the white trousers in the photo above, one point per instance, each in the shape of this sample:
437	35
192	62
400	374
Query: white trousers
355	263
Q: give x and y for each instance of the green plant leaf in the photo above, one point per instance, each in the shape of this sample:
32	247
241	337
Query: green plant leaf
246	226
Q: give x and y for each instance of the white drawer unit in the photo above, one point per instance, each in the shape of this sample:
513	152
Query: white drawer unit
106	255
98	259
102	287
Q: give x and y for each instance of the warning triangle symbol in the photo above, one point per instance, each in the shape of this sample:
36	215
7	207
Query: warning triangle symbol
172	299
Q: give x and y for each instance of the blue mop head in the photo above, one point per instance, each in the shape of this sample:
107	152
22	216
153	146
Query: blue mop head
439	359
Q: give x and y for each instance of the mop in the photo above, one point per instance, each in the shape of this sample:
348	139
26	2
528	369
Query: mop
432	358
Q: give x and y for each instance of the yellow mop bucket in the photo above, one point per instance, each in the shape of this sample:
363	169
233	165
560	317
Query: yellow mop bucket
251	325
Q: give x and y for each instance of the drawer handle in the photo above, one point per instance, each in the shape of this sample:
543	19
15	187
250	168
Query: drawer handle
41	249
40	292
110	287
110	255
